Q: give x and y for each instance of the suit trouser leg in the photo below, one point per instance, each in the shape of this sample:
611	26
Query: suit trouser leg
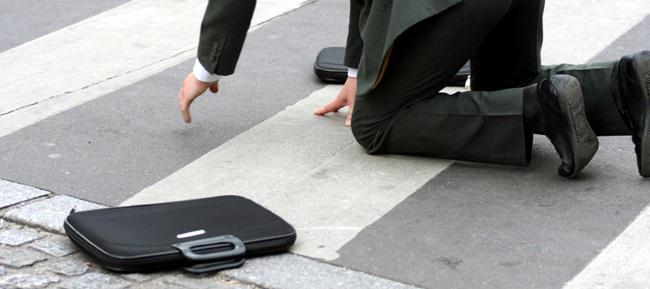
510	54
599	83
510	57
406	114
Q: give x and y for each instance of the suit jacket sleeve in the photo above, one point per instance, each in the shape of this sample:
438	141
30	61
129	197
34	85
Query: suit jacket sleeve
354	44
223	31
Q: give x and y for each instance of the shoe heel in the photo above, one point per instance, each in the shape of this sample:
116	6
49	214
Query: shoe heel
585	142
644	154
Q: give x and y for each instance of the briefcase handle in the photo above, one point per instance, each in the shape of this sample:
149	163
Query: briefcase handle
238	250
215	266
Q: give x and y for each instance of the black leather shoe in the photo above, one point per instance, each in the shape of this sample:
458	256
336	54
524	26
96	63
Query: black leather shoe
562	117
634	81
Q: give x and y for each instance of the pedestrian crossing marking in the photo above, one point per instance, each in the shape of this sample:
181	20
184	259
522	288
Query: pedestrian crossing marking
307	169
102	54
63	88
624	263
591	25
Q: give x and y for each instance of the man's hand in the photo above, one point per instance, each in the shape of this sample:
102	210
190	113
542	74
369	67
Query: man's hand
345	98
190	90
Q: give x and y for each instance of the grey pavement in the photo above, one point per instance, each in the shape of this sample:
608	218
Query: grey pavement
30	258
18	236
54	245
472	226
13	193
500	227
49	213
273	272
487	226
134	137
24	20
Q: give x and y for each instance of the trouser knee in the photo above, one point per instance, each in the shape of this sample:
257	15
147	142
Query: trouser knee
361	134
366	133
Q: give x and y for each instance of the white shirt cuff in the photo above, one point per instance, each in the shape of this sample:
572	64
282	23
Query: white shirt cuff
352	72
203	75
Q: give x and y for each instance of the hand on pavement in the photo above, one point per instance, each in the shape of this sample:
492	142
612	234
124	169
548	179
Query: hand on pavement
345	98
190	90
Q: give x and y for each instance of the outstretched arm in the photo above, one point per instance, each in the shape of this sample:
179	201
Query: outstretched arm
223	31
354	43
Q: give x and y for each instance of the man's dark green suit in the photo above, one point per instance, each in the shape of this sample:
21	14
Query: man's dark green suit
226	23
407	50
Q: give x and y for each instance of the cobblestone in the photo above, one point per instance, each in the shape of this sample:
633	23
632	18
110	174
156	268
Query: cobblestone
140	277
69	267
54	245
272	271
12	193
27	281
201	282
18	236
95	280
18	257
49	214
35	259
190	281
156	284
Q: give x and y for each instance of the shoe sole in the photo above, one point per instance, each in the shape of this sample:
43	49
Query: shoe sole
583	139
643	71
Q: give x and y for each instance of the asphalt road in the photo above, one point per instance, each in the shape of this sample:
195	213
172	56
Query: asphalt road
469	226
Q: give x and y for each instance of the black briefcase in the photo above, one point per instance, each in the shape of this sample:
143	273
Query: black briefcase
199	235
329	65
330	69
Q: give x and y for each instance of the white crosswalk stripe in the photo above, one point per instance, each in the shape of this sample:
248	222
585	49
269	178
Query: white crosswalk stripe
101	54
575	31
625	263
308	170
325	186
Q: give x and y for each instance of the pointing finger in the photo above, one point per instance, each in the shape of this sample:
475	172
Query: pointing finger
184	106
333	106
214	87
